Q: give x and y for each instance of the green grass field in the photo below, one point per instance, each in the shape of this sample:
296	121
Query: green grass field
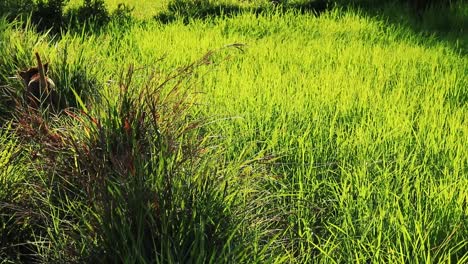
339	138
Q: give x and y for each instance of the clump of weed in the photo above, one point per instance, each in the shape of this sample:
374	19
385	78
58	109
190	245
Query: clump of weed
141	156
124	181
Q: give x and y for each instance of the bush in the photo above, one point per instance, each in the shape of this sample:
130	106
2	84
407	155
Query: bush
123	181
49	14
94	11
123	13
14	8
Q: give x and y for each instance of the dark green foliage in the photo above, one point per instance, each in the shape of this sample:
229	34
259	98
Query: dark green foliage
93	11
15	212
416	6
13	9
196	9
49	14
123	13
45	14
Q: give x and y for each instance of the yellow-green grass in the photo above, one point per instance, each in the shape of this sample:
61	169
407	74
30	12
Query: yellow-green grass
142	9
345	133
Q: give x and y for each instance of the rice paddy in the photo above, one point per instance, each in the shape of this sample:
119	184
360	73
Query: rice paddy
298	138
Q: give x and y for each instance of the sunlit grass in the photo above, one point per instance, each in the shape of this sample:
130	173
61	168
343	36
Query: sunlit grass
341	138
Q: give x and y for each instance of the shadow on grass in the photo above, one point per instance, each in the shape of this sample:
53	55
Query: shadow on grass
445	22
53	17
189	10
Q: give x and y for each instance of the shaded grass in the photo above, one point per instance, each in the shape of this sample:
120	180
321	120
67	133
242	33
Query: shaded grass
188	10
445	22
142	11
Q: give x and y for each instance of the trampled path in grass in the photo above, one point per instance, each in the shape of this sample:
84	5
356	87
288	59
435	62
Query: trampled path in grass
343	137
